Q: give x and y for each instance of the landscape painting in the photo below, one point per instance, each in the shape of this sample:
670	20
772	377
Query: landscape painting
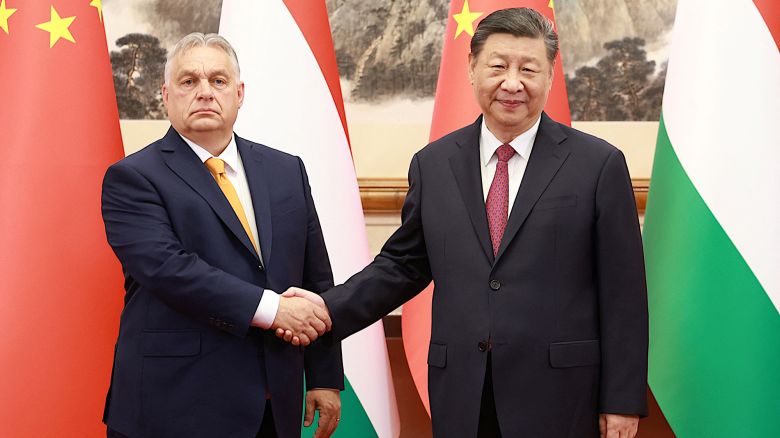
614	53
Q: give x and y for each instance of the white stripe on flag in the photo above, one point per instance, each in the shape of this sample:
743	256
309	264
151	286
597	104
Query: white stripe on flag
288	106
721	114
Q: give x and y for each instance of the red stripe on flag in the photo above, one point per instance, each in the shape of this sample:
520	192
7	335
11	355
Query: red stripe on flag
312	19
60	284
416	334
770	10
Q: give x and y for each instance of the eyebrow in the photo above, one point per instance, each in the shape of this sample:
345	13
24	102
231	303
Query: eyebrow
211	73
505	55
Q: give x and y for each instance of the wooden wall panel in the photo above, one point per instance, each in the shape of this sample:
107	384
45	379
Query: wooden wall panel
387	195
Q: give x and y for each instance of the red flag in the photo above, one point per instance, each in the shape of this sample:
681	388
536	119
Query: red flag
59	281
456	107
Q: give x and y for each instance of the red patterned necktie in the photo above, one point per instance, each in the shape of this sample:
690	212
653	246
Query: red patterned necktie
497	203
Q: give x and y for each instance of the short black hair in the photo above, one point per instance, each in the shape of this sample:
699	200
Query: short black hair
519	22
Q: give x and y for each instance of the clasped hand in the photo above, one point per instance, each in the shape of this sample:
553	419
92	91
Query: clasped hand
302	317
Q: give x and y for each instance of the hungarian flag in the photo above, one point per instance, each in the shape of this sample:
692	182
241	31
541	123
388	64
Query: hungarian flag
293	102
59	281
454	108
711	231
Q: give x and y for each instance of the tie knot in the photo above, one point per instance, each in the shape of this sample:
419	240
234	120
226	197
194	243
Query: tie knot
215	166
505	152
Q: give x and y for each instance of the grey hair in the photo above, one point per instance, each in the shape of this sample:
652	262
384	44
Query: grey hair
519	22
198	39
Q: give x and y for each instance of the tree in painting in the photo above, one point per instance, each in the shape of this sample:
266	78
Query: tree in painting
138	76
620	86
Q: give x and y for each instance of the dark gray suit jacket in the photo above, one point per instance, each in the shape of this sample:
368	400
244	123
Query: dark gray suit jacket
563	307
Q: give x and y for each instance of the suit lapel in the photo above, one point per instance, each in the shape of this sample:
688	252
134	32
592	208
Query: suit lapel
466	168
547	156
185	163
257	179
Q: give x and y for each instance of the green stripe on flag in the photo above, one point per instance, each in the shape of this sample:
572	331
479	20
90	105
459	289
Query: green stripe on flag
714	333
354	420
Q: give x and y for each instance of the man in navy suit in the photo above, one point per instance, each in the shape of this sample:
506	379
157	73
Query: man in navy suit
529	231
207	226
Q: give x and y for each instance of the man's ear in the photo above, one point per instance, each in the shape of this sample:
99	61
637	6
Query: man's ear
552	74
471	61
240	94
165	95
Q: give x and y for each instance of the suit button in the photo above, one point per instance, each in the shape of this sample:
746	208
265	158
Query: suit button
261	268
483	346
495	284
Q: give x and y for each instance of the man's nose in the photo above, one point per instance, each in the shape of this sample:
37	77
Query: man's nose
512	82
204	90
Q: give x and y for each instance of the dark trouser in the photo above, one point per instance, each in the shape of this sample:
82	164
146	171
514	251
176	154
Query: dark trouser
267	429
488	419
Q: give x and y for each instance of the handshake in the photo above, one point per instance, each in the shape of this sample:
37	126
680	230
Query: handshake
302	317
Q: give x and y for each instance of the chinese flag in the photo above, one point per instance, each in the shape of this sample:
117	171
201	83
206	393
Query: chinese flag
456	107
59	281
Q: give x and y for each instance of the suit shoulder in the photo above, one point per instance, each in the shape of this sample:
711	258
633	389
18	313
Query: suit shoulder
272	154
588	143
142	157
449	143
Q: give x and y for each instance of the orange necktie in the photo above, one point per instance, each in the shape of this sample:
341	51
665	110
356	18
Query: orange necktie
217	169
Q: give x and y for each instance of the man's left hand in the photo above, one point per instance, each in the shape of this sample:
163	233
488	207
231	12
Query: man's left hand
328	402
618	426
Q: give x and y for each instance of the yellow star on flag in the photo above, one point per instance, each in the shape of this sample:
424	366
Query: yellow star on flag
4	14
551	5
98	4
466	20
57	27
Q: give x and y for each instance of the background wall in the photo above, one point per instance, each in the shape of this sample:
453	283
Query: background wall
383	150
614	56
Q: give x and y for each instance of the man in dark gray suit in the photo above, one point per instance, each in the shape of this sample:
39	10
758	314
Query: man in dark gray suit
529	230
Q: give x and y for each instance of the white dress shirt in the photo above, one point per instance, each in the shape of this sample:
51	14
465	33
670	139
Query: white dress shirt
234	170
522	144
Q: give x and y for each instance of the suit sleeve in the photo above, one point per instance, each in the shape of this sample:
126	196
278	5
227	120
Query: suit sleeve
322	359
398	273
140	232
622	293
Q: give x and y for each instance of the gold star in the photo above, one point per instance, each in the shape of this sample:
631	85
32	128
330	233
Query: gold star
466	20
551	5
4	14
98	4
57	27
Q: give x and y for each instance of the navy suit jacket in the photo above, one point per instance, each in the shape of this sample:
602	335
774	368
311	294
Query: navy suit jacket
187	362
562	307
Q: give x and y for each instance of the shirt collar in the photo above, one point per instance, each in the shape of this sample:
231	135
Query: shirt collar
522	144
229	155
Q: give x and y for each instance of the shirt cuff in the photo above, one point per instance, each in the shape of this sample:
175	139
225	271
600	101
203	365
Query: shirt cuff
266	310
